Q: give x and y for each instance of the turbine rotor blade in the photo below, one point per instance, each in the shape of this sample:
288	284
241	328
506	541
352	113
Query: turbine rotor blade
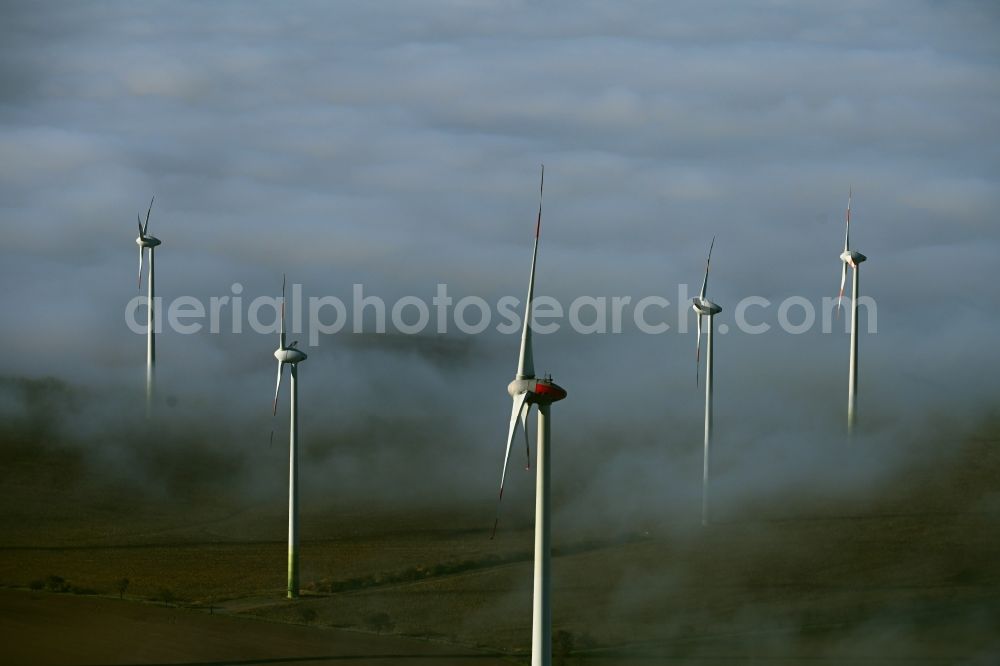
138	220
277	388
281	332
526	362
843	281
524	428
515	413
697	353
150	210
541	194
708	262
847	241
140	268
847	234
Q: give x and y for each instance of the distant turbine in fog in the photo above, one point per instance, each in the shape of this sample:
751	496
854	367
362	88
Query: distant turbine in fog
289	355
146	241
705	308
853	259
526	391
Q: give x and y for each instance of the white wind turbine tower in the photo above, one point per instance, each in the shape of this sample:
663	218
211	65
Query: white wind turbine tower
146	241
706	308
853	259
291	356
527	390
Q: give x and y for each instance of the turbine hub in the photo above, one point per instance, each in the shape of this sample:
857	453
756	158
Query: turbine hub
519	386
147	241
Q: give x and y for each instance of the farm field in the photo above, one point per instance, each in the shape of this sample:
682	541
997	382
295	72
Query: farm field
915	577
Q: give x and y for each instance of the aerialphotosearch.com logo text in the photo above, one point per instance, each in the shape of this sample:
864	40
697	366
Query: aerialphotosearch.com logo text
472	315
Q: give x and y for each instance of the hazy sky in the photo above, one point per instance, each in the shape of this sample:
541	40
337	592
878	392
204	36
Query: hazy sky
397	144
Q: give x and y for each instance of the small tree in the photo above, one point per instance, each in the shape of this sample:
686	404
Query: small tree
122	585
379	622
56	583
166	596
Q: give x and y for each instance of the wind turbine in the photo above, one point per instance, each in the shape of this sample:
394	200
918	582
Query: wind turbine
144	241
853	259
291	356
527	390
705	308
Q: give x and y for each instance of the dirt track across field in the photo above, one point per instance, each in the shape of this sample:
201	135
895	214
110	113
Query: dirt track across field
45	628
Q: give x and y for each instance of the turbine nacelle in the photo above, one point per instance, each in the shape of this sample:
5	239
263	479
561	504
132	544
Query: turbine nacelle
703	306
290	354
147	241
852	257
546	392
537	391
